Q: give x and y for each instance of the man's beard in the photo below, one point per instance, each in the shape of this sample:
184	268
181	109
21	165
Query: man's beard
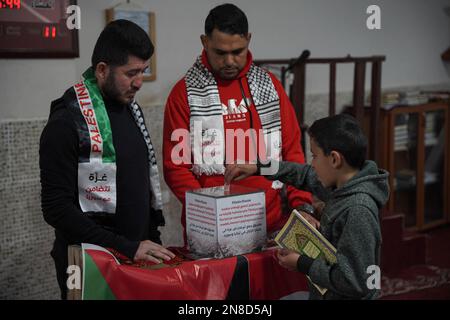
110	89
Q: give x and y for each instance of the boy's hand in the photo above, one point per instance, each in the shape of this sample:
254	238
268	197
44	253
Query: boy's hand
315	223
239	171
288	259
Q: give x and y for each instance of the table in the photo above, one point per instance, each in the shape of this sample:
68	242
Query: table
254	276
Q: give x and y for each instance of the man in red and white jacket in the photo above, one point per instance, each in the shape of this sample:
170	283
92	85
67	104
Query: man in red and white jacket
225	91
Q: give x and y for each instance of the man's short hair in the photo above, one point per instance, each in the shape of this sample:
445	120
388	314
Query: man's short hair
118	40
343	134
226	18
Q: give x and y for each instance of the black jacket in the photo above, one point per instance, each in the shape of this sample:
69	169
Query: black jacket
134	220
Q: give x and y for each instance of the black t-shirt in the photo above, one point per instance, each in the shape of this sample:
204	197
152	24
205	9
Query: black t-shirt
59	168
133	182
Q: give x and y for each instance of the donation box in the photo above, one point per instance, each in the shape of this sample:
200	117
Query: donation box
225	221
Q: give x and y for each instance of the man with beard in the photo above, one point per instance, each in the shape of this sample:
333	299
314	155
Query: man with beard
225	92
99	178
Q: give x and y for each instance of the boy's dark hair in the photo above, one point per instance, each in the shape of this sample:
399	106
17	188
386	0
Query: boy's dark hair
118	40
343	134
226	18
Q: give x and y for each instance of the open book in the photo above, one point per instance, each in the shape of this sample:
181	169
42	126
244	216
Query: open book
300	236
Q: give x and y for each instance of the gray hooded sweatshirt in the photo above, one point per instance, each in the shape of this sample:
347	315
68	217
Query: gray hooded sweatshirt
350	221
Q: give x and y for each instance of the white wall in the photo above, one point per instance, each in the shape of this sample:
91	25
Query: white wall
414	33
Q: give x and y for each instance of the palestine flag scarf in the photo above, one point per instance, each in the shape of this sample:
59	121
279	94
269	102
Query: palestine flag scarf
97	157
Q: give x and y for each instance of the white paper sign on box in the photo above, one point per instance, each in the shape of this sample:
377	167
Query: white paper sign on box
225	222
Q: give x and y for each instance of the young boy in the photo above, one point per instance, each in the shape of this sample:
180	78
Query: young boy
353	189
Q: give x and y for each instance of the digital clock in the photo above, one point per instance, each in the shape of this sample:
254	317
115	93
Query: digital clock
36	29
10	4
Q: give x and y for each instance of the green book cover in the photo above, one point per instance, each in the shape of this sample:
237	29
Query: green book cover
300	236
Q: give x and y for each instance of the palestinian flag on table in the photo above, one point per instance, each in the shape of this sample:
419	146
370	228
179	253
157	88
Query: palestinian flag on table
95	285
109	275
255	276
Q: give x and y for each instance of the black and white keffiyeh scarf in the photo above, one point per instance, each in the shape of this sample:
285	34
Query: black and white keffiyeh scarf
207	134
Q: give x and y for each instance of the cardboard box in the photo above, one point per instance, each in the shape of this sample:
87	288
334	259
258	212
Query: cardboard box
223	222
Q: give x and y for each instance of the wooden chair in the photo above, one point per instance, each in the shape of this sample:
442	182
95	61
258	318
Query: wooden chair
297	92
